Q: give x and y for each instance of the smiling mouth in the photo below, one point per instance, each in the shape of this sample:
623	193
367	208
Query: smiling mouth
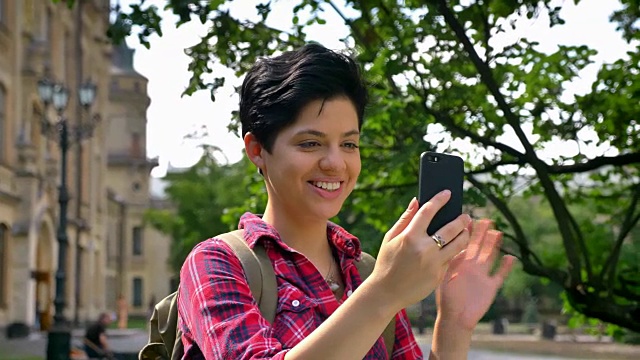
326	185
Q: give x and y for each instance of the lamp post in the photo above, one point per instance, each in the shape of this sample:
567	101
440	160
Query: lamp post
57	95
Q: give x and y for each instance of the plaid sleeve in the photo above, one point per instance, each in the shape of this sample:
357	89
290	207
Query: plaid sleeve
405	346
218	314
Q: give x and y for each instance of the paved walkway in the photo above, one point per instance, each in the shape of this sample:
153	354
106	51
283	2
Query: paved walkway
484	347
35	346
520	346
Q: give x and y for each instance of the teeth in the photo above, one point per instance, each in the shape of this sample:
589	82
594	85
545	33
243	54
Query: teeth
331	186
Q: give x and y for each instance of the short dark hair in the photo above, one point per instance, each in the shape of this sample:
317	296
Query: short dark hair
276	89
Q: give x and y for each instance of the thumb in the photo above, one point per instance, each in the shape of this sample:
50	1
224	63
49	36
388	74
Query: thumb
404	220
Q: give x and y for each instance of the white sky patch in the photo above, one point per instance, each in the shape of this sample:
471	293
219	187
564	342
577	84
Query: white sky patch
172	117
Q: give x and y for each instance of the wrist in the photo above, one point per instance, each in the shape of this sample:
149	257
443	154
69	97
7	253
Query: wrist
451	340
384	304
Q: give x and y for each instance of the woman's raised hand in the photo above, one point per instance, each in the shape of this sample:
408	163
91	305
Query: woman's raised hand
410	265
469	288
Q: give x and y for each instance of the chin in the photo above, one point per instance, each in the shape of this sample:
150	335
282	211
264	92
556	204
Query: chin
328	213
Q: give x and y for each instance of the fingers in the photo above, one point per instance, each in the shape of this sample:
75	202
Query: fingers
457	245
404	221
426	213
505	268
478	233
450	231
490	247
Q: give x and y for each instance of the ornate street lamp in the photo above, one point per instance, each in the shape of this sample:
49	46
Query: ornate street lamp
56	94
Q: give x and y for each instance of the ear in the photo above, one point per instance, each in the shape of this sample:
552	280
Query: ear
254	150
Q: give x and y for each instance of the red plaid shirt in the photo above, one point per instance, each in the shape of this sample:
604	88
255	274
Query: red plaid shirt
221	320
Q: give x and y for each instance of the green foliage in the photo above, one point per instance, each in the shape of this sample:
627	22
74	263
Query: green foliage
202	199
433	67
591	326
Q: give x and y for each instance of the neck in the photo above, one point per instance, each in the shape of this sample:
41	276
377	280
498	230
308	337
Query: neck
306	235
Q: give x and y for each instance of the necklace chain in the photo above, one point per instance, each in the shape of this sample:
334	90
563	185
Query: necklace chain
333	285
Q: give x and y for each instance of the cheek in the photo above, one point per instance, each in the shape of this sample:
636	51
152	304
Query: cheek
355	166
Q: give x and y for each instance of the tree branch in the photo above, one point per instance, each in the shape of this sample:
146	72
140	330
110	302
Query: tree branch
624	291
494	166
628	223
591	305
618	161
520	238
559	208
486	75
597	162
450	124
583	247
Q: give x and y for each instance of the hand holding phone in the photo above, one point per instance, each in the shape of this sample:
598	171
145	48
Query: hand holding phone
440	172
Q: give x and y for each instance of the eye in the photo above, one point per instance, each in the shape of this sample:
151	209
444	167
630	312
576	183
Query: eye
351	145
309	144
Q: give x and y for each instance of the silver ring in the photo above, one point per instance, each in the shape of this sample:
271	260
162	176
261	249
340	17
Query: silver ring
439	240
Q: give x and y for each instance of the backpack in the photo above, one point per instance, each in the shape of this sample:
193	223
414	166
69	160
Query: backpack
165	338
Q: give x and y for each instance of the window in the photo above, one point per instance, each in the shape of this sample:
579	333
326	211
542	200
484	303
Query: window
4	233
137	292
136	148
137	240
3	122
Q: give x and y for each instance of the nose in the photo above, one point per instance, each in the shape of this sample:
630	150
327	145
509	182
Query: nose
333	161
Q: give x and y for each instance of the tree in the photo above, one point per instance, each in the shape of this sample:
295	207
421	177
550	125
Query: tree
200	196
433	66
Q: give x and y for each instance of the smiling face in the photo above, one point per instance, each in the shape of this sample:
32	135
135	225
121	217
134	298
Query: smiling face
314	163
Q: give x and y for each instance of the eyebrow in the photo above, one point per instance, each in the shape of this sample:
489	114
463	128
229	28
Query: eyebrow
322	135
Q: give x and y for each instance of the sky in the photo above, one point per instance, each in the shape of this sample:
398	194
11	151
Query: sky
171	116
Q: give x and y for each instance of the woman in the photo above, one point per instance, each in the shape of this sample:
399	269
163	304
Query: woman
301	115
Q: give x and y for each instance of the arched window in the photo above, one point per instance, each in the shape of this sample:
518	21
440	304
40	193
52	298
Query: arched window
4	260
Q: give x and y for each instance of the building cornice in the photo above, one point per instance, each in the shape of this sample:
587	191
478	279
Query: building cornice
11	198
128	160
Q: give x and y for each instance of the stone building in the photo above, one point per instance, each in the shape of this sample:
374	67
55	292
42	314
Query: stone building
136	254
110	251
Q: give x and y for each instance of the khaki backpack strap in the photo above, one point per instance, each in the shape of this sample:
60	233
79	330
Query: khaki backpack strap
164	335
365	268
258	270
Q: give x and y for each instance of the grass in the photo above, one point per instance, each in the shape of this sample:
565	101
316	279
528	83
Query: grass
133	323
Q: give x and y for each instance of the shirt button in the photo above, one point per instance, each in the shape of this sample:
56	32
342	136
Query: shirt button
349	292
295	303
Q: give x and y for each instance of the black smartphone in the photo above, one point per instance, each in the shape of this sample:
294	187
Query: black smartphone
439	172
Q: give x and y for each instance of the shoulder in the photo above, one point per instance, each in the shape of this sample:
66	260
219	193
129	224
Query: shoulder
211	247
208	258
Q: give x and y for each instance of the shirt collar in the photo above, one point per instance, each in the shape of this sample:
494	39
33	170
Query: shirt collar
255	229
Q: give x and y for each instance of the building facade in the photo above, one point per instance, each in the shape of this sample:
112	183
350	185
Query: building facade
136	254
105	175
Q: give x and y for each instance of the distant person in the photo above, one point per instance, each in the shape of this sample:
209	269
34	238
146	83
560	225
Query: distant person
95	339
123	313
